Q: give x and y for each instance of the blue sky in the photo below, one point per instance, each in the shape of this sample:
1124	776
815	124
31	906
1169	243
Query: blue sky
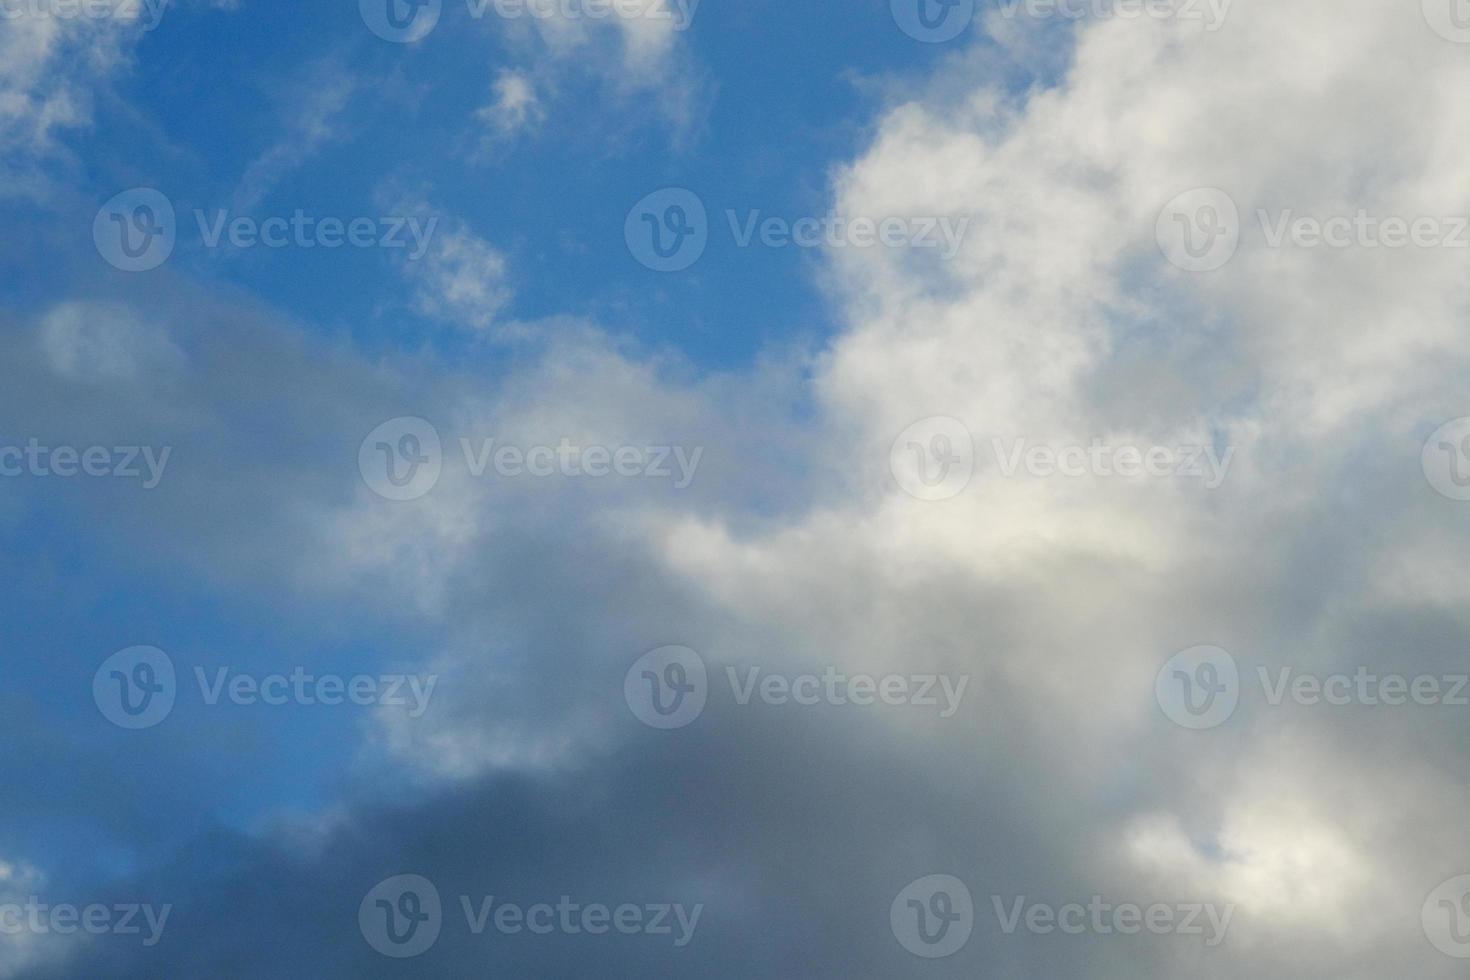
554	198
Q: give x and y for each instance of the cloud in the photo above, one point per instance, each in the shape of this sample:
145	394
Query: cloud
23	952
48	66
313	121
516	105
54	60
459	277
1060	322
637	54
97	341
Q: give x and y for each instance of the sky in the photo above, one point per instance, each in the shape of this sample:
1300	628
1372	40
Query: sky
884	488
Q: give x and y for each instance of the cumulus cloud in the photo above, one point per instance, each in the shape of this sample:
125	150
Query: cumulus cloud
1059	322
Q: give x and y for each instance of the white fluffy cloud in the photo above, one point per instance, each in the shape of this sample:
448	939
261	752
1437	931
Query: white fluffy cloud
1061	322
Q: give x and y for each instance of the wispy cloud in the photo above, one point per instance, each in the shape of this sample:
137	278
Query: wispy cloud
311	120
